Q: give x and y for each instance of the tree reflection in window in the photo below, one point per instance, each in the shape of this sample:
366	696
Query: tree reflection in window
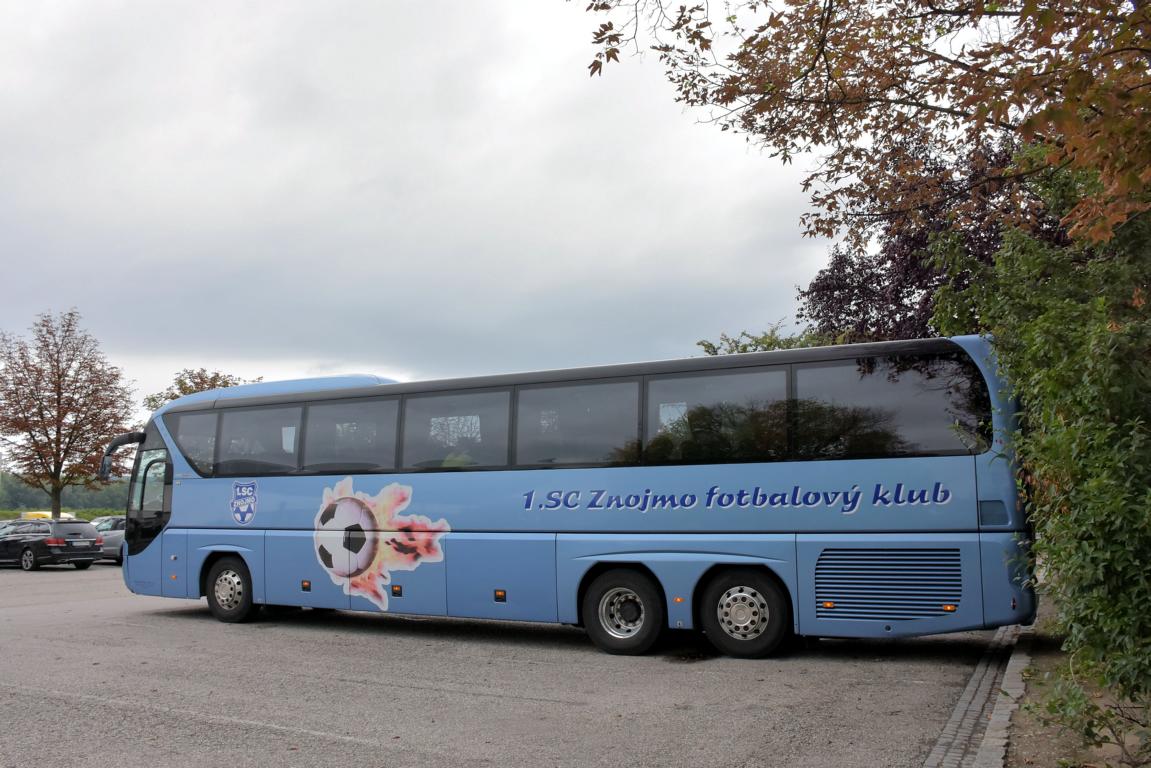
826	431
890	406
718	418
856	408
723	432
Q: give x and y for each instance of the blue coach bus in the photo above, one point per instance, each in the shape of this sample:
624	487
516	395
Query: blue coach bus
848	491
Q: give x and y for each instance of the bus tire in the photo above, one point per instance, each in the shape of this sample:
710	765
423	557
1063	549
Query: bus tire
745	613
230	591
623	612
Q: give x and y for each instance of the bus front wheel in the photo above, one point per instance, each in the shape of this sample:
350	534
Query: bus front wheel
744	613
230	590
623	612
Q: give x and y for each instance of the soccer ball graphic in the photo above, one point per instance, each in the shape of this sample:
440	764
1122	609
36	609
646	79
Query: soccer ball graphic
346	540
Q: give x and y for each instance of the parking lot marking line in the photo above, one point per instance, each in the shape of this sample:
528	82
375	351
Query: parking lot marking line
138	705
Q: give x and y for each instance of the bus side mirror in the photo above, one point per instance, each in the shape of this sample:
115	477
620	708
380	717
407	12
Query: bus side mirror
117	442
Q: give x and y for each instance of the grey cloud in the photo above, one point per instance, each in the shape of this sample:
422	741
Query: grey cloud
430	187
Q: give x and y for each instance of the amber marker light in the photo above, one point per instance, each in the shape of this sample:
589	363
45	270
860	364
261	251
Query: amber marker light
949	608
828	604
306	585
397	590
677	599
501	596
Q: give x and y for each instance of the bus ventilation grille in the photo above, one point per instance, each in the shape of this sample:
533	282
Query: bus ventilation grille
887	584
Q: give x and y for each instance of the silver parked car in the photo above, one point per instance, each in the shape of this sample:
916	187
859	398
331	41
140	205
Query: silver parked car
112	529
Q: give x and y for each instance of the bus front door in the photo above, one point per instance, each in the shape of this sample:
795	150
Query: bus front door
149	508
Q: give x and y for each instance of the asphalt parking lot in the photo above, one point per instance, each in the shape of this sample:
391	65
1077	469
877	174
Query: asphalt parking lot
92	674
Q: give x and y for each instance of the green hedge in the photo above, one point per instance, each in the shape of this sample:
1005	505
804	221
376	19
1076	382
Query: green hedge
1073	334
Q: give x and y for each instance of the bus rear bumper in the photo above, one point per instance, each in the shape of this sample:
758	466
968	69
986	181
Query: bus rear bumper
1008	591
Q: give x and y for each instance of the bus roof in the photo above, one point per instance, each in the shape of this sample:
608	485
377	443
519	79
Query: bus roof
335	387
262	389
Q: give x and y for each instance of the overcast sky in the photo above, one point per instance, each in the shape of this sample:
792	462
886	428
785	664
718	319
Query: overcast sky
414	189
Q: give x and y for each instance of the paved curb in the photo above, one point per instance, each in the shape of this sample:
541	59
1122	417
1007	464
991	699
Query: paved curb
993	750
975	736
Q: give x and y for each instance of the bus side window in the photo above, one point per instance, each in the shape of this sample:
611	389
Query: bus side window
466	430
259	441
708	418
890	406
195	435
351	436
586	423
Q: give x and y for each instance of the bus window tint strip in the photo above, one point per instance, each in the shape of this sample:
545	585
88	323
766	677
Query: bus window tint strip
355	435
456	431
259	441
581	424
704	419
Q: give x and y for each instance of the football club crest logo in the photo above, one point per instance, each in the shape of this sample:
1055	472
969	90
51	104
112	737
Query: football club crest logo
243	502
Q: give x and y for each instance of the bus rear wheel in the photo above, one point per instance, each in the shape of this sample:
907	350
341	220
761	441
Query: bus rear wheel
230	591
623	612
744	613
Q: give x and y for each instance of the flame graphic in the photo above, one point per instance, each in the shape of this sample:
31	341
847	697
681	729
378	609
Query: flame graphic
404	541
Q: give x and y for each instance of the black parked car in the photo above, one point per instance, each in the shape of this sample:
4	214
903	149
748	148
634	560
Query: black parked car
32	543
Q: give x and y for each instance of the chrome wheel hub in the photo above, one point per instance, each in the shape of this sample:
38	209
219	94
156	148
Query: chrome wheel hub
229	590
743	613
621	612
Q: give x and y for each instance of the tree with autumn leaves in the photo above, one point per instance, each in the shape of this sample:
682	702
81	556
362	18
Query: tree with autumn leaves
61	401
866	84
917	114
192	380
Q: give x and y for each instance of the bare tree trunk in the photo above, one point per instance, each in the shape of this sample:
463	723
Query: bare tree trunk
57	492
